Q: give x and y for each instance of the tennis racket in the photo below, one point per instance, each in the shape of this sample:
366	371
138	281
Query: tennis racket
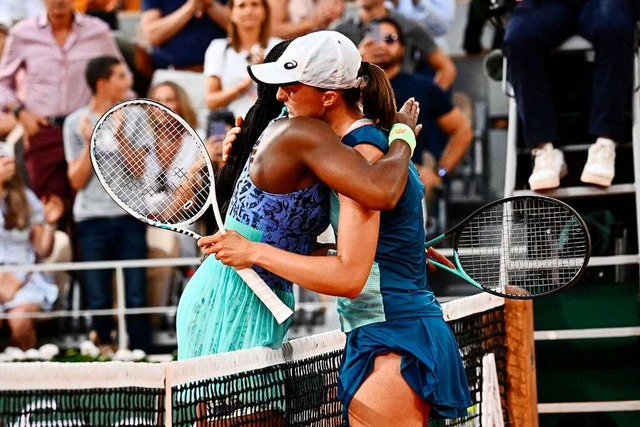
520	247
156	168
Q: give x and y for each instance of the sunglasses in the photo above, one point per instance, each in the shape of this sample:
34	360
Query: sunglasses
389	38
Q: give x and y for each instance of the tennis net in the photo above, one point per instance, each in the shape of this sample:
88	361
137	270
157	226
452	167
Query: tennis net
291	386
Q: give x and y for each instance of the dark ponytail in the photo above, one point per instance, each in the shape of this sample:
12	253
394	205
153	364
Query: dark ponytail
265	109
376	95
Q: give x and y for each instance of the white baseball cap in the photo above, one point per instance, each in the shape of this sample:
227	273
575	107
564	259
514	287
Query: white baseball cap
323	59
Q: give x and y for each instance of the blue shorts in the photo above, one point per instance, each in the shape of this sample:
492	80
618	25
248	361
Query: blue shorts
431	362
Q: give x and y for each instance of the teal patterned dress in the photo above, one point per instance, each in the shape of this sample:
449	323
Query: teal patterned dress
218	312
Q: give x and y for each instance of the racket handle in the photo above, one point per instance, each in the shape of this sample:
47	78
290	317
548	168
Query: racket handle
275	305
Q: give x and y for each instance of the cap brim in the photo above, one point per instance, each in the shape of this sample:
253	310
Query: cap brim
270	74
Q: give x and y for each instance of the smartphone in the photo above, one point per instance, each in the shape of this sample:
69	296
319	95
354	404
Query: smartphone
7	149
373	31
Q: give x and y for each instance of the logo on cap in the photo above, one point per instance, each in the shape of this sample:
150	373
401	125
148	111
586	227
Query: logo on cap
290	65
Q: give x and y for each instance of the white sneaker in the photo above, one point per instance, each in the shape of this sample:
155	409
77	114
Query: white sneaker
600	166
548	168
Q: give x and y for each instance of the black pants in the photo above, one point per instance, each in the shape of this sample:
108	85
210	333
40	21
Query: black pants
537	26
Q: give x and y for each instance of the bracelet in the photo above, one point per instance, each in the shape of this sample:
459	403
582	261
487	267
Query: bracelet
16	110
404	133
442	172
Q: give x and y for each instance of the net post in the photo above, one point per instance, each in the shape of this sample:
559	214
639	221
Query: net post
521	363
168	395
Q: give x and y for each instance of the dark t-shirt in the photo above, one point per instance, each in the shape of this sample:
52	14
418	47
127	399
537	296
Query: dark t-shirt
434	103
188	46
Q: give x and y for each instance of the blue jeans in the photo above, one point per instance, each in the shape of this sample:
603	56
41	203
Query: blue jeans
537	26
108	239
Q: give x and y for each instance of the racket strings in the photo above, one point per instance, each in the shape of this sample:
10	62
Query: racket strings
531	246
152	163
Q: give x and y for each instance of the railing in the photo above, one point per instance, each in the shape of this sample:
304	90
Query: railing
120	310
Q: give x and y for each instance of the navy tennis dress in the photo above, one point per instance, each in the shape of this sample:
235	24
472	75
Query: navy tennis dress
397	310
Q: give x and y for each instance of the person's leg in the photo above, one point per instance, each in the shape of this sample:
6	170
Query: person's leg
22	329
534	29
373	405
471	42
132	244
95	242
610	25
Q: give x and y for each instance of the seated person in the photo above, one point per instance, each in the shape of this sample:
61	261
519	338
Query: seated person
27	227
537	27
435	106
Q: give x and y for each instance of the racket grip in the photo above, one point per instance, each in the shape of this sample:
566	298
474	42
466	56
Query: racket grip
275	305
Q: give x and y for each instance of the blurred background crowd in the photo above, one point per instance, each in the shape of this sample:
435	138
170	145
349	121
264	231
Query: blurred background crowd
66	62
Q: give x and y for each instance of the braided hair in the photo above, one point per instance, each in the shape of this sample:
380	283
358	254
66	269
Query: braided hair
265	109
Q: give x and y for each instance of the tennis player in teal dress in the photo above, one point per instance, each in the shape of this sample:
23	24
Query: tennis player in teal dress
217	311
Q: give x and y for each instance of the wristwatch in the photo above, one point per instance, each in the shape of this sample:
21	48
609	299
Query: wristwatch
442	172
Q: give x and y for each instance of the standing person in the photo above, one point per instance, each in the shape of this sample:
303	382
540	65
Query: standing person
397	338
27	227
218	312
228	86
179	31
104	230
534	29
48	55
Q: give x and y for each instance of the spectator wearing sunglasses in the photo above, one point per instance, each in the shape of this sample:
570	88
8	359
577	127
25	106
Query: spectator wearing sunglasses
447	133
421	53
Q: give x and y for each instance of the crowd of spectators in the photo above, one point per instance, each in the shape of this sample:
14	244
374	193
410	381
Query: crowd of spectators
64	62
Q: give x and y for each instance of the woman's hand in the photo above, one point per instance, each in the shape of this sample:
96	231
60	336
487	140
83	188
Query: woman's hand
408	115
53	208
429	177
230	248
256	55
229	139
437	256
31	122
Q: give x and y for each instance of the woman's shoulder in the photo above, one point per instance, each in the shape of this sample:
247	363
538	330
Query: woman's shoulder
367	134
217	46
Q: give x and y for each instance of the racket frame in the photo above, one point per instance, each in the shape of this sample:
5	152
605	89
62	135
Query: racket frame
459	271
279	309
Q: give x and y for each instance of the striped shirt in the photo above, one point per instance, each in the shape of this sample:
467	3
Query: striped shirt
50	78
